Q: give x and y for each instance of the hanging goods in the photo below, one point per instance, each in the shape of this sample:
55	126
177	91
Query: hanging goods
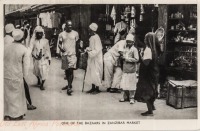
141	17
142	9
126	18
133	12
122	15
113	14
133	23
128	9
127	12
156	5
141	12
107	12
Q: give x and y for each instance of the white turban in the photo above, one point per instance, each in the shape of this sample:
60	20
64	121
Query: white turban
9	28
39	29
130	37
93	26
17	34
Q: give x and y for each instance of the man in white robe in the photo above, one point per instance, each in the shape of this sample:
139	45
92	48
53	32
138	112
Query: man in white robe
16	65
41	55
94	72
112	69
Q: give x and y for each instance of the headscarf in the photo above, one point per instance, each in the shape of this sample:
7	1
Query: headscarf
151	43
37	29
33	38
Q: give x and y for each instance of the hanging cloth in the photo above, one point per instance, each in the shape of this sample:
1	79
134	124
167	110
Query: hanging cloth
55	19
49	22
43	17
141	12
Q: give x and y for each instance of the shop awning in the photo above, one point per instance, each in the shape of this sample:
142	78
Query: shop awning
36	9
20	10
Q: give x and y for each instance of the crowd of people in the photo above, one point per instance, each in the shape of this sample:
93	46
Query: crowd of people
118	65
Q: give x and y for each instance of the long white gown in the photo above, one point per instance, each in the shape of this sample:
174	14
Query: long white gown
94	71
16	66
41	67
112	74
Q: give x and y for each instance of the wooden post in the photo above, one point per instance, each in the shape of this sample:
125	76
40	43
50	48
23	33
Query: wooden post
162	22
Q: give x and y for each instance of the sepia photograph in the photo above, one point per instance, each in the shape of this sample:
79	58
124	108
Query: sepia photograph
99	62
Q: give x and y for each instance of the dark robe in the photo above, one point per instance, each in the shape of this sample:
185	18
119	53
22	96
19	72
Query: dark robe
148	74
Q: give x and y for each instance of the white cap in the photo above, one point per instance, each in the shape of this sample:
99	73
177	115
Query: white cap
9	28
17	34
93	26
130	37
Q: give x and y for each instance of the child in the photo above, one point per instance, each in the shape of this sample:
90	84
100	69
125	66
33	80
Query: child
129	57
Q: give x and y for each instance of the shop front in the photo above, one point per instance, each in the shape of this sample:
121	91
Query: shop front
179	60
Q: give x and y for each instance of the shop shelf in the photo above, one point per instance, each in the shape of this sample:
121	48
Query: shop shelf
183	43
180	69
170	30
176	18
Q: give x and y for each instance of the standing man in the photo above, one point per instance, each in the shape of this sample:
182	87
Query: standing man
8	37
16	65
68	38
94	71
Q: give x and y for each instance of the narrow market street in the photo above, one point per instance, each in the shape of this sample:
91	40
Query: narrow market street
54	103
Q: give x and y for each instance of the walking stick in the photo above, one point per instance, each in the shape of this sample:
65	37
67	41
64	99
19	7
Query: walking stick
84	78
84	81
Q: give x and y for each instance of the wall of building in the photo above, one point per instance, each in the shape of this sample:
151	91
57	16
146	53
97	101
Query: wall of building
81	18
